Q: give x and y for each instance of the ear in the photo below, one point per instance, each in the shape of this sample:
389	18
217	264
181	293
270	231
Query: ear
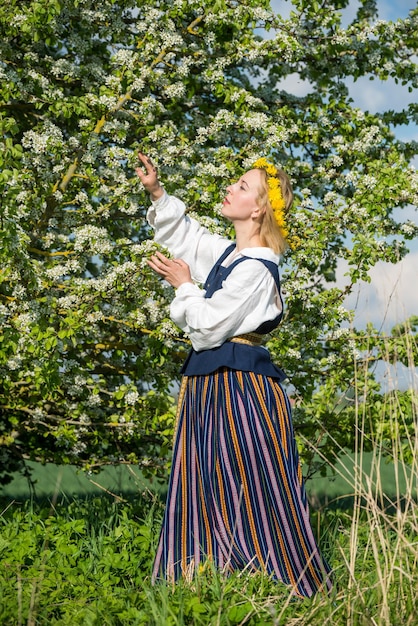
258	212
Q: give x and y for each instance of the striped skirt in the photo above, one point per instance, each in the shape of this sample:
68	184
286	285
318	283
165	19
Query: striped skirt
236	495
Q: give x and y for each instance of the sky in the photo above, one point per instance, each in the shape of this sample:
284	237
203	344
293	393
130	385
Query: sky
392	295
389	298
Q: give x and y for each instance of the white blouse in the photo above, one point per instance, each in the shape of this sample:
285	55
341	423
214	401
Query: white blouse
248	296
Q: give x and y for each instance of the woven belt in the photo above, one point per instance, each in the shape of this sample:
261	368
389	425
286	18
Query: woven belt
250	339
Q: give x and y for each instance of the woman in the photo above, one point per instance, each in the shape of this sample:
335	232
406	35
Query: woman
236	496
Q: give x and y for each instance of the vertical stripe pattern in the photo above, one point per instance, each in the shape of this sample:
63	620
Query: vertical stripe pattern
236	495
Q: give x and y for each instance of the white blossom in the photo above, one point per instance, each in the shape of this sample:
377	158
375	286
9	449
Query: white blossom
256	120
37	414
94	316
139	318
78	448
131	397
338	333
331	359
94	400
93	238
168	329
369	181
358	211
14	363
353	349
336	160
4	311
125	57
175	90
409	228
84	122
68	302
19	292
19	19
171	39
22	197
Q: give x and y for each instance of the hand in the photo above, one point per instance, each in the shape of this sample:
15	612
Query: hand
176	272
149	178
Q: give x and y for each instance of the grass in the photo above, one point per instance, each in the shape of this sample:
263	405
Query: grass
70	560
51	481
88	562
73	560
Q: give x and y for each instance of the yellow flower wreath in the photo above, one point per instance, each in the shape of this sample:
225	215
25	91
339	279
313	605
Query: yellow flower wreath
275	193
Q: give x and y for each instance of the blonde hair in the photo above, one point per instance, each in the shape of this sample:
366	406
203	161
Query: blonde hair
270	232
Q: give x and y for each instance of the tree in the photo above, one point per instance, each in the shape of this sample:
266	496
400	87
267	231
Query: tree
88	354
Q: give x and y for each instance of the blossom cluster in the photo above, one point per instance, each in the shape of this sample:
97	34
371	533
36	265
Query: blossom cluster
93	239
50	136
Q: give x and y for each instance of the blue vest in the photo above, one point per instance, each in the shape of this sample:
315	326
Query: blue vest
230	354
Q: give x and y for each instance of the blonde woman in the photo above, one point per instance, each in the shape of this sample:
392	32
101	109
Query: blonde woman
236	496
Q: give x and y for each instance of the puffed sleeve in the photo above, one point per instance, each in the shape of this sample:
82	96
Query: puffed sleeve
184	237
247	297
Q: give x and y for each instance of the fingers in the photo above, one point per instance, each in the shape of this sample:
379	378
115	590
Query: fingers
154	267
175	271
160	263
164	263
146	161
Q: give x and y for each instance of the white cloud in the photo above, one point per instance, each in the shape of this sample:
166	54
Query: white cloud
295	85
390	298
377	95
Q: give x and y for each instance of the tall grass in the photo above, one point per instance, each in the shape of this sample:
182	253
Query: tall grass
377	548
88	562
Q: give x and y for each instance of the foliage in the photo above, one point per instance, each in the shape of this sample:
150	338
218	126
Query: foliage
392	412
88	355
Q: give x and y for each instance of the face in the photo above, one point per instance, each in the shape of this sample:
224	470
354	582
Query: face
241	197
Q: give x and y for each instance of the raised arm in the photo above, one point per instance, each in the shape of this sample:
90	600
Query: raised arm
184	237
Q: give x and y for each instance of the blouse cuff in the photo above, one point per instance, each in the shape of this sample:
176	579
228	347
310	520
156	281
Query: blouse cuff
187	289
161	202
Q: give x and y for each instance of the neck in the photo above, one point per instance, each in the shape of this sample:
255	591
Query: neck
247	236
